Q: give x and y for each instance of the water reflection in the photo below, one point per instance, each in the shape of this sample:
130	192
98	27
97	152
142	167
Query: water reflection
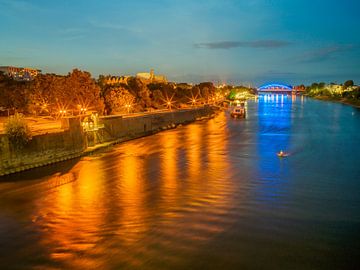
69	215
193	141
133	202
131	188
275	114
169	167
212	194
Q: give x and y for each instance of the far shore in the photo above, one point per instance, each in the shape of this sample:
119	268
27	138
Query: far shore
343	101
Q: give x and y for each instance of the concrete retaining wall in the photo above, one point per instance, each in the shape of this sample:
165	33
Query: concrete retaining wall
73	141
117	127
43	149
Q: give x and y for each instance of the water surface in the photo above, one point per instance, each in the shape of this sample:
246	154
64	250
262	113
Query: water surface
209	195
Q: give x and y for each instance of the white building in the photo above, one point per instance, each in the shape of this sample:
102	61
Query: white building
20	73
151	77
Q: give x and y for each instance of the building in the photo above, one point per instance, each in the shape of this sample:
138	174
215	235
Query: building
20	73
111	80
151	77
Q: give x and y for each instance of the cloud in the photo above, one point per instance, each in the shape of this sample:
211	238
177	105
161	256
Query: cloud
114	26
279	73
13	58
21	6
72	30
325	53
73	33
225	45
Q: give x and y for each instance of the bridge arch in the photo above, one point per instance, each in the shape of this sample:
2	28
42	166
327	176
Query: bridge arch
275	87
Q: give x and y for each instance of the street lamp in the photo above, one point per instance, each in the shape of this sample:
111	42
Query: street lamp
62	112
83	110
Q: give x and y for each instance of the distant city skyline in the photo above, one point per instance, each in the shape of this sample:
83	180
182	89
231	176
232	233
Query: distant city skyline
239	42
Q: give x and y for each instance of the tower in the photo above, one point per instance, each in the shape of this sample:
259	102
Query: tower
152	76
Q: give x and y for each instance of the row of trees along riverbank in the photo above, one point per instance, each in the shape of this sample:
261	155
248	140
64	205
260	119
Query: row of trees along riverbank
346	92
53	94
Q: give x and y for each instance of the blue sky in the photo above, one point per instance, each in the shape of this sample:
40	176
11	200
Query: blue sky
243	41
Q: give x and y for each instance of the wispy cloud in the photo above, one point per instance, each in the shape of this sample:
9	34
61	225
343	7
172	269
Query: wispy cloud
73	33
114	26
12	58
20	6
279	73
225	45
325	53
72	30
74	37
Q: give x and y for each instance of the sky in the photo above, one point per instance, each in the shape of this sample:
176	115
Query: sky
224	41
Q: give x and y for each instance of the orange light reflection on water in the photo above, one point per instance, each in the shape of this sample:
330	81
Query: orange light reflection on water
169	170
131	193
71	217
193	143
173	186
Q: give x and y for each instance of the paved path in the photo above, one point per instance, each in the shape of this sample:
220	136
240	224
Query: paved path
38	125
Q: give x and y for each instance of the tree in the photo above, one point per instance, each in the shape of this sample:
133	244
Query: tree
158	98
14	94
82	90
46	92
348	83
314	85
119	99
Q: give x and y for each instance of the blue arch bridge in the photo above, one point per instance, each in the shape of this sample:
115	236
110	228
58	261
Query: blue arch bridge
278	88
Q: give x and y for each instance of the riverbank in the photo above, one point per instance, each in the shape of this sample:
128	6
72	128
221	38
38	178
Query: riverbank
74	142
351	102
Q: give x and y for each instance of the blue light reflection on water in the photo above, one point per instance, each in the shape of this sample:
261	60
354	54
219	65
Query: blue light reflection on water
274	123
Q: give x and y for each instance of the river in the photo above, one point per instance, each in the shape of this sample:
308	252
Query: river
209	195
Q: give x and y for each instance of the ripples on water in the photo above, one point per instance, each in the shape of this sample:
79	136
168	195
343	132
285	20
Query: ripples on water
210	195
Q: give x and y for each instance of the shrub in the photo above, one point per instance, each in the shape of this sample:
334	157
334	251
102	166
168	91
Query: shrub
18	131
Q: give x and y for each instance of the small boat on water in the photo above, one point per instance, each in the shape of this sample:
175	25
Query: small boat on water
239	111
282	154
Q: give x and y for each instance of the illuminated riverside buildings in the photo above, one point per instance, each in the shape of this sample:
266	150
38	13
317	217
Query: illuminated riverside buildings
151	77
110	80
147	77
20	73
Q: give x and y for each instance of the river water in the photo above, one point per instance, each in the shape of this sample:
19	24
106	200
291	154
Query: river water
209	195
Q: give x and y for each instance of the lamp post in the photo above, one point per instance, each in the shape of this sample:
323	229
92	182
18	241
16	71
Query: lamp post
128	107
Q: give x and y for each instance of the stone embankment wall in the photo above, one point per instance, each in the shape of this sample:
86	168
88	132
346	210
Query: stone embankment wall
73	141
117	127
43	149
